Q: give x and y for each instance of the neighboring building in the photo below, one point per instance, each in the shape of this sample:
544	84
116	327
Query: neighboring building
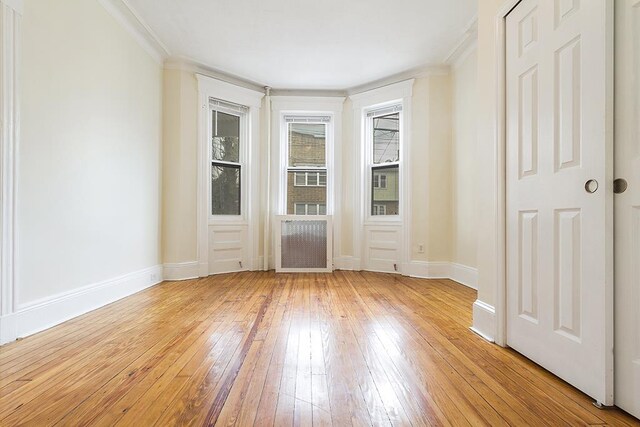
307	188
386	189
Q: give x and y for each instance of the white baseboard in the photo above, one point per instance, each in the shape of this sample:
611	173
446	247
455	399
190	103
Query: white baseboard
258	264
45	313
344	263
427	270
464	275
181	270
484	320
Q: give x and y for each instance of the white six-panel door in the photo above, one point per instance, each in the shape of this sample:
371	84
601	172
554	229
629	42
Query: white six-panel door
559	235
627	206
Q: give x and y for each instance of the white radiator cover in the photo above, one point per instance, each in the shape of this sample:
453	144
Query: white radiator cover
304	243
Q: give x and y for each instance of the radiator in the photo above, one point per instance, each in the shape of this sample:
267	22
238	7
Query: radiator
304	243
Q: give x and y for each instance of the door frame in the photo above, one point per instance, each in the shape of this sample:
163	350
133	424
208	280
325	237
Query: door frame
500	135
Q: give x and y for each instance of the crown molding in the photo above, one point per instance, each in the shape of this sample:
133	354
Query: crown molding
465	44
131	21
16	5
414	73
187	64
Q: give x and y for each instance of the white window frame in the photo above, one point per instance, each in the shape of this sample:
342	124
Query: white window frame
284	158
395	94
242	164
211	88
369	114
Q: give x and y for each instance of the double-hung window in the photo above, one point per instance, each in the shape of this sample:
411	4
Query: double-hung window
227	134
384	164
306	167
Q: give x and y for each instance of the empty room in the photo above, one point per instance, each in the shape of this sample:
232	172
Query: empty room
335	213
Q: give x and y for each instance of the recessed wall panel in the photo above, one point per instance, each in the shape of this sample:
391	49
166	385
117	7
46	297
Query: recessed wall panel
567	84
528	123
528	265
568	271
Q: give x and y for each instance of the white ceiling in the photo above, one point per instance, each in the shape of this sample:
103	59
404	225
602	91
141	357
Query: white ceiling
303	44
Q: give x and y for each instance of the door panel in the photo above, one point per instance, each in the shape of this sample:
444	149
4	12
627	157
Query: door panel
559	236
627	206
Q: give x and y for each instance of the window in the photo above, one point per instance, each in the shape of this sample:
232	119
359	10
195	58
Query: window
379	181
379	210
310	209
310	179
306	168
384	126
226	168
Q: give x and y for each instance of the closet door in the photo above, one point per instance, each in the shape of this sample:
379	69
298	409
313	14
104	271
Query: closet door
559	195
627	206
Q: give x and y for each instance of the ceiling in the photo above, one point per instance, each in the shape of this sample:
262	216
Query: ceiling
312	45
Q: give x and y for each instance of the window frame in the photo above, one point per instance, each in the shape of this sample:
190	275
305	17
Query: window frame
243	148
328	169
369	114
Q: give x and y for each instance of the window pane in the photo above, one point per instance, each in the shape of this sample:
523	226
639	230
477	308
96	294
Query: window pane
301	178
383	181
225	190
312	209
307	195
226	137
312	178
300	209
323	210
385	201
323	179
307	143
386	138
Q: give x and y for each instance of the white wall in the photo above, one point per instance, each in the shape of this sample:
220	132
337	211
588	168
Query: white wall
431	161
179	166
463	170
89	163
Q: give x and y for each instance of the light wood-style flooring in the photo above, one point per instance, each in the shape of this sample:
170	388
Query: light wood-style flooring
244	349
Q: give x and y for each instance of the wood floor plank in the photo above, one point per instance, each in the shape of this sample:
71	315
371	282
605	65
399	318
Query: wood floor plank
259	348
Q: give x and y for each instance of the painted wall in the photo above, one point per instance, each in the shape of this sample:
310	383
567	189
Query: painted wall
463	170
89	163
432	223
432	139
179	166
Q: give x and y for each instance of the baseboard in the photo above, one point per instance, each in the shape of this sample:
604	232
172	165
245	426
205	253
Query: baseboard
464	275
344	263
484	320
181	271
258	264
48	312
427	270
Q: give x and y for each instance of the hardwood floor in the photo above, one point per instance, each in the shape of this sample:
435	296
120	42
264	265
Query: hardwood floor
262	349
